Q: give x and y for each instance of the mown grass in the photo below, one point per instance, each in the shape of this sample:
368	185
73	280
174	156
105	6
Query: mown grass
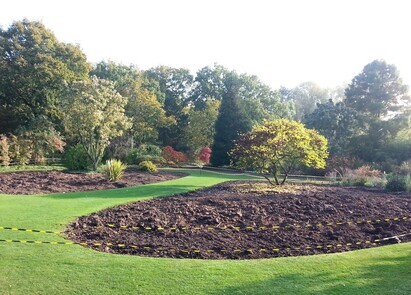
72	269
18	168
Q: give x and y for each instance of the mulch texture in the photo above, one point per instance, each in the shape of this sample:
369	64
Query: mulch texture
28	183
245	220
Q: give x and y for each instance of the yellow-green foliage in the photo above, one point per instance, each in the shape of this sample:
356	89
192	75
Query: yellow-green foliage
4	151
113	170
278	146
148	166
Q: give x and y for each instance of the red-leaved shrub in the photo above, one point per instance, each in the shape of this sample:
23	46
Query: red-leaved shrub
204	155
172	155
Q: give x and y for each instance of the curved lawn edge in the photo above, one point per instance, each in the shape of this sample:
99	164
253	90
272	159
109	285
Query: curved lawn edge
55	211
77	270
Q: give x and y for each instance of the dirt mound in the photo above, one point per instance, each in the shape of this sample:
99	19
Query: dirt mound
242	220
28	183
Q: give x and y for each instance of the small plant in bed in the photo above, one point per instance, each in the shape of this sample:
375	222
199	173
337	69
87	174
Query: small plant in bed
147	166
113	170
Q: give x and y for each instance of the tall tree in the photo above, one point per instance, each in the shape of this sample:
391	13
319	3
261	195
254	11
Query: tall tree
200	129
176	84
123	76
34	66
305	98
146	114
336	122
94	114
230	122
377	90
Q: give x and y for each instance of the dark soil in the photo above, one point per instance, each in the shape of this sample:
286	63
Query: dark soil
242	220
28	183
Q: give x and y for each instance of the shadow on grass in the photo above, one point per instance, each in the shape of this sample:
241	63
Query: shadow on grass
381	275
143	191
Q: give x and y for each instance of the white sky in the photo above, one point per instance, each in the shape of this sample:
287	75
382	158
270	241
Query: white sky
283	42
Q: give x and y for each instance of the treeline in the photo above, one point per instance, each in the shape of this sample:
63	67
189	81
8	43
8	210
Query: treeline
50	96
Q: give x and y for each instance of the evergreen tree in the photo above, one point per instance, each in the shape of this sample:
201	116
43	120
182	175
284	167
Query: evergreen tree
377	90
231	121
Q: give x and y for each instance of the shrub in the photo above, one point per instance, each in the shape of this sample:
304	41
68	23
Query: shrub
364	176
4	151
408	183
21	150
135	157
113	170
204	155
76	158
174	156
404	168
147	166
150	149
396	183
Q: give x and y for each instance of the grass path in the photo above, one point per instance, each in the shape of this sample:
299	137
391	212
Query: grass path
72	269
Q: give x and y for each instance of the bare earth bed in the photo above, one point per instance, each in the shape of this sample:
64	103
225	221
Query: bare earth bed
28	183
245	220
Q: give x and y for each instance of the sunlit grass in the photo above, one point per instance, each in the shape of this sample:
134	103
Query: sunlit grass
73	269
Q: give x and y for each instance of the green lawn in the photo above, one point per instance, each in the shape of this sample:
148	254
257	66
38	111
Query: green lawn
72	269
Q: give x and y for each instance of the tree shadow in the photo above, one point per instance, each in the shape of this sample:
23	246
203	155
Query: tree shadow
144	191
380	275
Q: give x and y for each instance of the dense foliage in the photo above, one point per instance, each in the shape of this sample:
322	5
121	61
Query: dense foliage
51	98
113	170
276	147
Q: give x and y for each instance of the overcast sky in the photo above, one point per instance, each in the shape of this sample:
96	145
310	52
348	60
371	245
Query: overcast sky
282	42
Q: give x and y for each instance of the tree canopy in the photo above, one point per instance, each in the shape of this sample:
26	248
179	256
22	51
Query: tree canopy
276	147
94	114
33	69
377	90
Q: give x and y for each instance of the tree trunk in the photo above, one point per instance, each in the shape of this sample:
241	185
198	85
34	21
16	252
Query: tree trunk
284	179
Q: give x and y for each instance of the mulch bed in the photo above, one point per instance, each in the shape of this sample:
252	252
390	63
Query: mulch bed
28	183
235	220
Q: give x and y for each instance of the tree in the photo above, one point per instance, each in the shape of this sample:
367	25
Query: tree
146	114
305	98
94	114
200	129
230	123
176	85
276	147
336	122
123	76
33	68
377	90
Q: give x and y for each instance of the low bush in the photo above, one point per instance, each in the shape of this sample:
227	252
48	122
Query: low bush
113	170
408	183
147	166
76	158
174	156
396	183
204	155
4	151
145	153
21	150
363	176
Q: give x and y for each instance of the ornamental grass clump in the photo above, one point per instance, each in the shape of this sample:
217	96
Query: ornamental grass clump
113	170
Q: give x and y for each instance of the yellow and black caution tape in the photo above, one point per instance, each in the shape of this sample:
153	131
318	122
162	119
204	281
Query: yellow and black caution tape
216	250
267	227
236	228
30	230
42	242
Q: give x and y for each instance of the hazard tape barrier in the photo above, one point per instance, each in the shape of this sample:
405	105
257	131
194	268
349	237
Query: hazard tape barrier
236	228
223	251
267	227
30	230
